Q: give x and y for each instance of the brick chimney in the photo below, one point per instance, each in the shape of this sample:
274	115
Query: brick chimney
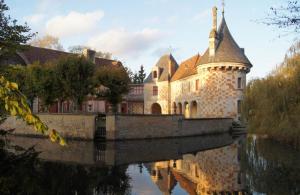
213	36
89	54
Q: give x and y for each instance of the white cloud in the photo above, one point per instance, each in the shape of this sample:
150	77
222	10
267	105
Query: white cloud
34	19
202	16
73	24
124	43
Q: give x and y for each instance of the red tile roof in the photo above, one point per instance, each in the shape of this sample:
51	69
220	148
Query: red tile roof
187	68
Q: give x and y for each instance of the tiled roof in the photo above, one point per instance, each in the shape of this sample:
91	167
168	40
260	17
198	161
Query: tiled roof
43	55
227	49
163	65
187	68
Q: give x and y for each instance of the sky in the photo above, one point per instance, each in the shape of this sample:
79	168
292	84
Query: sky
138	32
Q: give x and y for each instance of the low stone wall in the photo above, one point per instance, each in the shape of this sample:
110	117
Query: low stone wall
73	126
122	127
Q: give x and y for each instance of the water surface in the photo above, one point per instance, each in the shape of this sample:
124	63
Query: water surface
197	165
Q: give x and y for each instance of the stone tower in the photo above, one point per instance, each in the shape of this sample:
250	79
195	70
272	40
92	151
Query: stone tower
222	70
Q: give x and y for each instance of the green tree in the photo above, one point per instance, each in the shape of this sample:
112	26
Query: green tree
116	84
272	104
135	78
142	75
14	103
12	35
75	78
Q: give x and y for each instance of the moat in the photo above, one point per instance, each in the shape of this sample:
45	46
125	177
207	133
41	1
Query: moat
199	165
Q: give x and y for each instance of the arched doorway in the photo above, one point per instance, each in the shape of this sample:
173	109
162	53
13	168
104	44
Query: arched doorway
194	109
179	108
186	110
174	108
155	109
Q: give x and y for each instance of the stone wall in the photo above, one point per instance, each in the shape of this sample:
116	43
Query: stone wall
74	126
120	127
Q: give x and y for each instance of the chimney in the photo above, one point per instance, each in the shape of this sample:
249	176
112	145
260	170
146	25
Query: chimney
89	54
214	14
213	37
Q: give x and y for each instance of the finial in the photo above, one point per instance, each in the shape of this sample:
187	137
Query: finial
223	7
170	49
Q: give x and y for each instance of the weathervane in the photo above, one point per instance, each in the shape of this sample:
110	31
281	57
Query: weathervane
223	7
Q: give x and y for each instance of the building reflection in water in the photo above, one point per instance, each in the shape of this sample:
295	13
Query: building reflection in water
215	171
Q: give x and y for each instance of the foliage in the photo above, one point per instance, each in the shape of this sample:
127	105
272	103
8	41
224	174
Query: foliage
75	78
15	104
12	35
138	77
78	49
116	80
285	17
47	41
272	104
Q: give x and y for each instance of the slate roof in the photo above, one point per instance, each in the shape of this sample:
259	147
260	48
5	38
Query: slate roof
187	68
43	55
163	65
227	49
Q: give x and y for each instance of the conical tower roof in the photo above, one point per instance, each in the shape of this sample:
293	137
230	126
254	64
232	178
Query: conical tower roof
227	49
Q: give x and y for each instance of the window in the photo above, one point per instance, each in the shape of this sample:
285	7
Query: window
239	106
197	84
154	74
155	90
137	90
239	83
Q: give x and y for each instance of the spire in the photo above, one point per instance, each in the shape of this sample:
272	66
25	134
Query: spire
223	7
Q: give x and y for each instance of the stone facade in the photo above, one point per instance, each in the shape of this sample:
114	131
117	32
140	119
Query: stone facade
207	86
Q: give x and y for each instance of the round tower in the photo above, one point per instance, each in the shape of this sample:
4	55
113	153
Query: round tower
222	69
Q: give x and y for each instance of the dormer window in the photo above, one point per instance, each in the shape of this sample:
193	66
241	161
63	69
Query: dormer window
154	74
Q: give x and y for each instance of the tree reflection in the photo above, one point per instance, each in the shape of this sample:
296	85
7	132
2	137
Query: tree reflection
271	168
24	173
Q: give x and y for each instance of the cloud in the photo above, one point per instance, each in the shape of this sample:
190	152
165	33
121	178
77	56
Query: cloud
73	24
125	43
34	19
202	16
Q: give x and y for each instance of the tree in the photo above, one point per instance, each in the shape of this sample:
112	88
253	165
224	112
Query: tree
116	83
49	42
78	49
272	104
285	17
14	103
135	78
12	35
142	75
75	76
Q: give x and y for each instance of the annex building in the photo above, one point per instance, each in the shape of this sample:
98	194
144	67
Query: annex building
204	86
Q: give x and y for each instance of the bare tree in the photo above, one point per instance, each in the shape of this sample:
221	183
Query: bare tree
78	49
285	17
47	41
